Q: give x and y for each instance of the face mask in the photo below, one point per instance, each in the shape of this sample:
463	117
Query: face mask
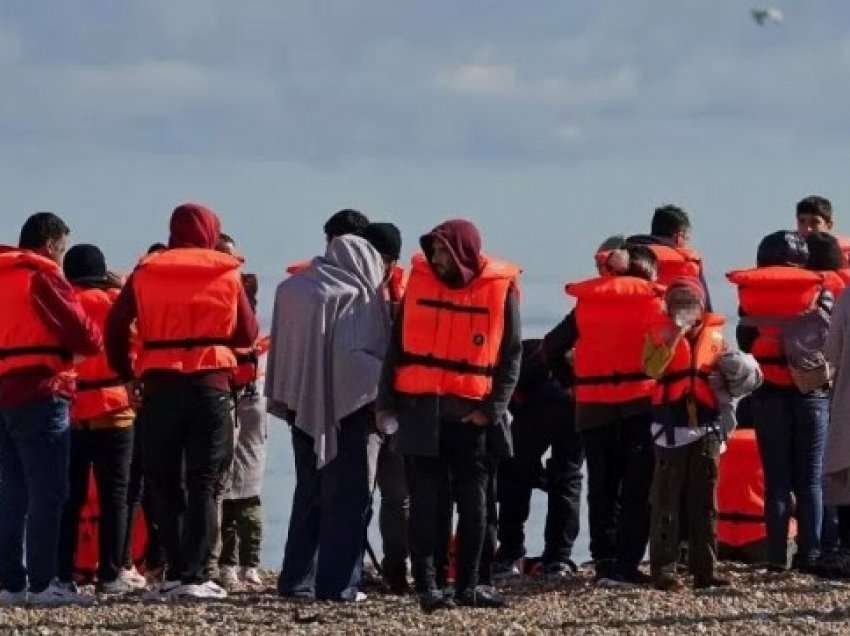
686	317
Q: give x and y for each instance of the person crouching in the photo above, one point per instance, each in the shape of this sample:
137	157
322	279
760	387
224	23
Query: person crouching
681	352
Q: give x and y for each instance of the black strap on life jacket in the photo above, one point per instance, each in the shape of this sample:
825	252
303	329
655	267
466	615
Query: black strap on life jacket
186	343
91	385
612	378
249	357
740	517
450	306
45	350
458	366
684	374
781	360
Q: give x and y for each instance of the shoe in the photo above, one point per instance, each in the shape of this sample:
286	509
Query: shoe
395	577
132	577
701	583
560	570
435	600
481	596
228	577
504	570
118	586
60	593
352	595
612	580
11	599
206	590
163	591
251	576
667	583
636	577
155	576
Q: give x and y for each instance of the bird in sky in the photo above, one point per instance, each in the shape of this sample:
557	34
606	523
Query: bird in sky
764	16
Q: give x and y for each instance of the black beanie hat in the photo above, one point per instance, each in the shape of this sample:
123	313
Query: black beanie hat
782	248
84	261
824	252
385	238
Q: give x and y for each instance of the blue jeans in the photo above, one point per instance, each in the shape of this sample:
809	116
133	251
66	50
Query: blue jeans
324	549
34	452
791	432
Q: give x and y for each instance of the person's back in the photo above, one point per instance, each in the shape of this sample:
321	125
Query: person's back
42	327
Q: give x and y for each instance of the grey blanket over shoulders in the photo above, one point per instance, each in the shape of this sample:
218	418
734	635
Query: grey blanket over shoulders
836	460
330	330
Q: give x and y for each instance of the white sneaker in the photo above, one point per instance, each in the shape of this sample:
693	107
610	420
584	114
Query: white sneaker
207	590
118	586
229	578
133	577
353	595
9	599
251	576
60	593
163	591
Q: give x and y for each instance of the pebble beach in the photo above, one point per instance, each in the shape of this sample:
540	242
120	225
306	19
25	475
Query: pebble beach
758	603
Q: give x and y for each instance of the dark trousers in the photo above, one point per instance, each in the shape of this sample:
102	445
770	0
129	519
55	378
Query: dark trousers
791	432
387	467
323	556
537	428
619	476
463	464
34	452
109	453
689	470
138	496
192	425
241	532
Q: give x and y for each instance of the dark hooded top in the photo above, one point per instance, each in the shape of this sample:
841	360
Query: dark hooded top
420	416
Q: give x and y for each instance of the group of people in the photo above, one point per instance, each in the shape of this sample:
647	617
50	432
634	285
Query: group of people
148	382
419	385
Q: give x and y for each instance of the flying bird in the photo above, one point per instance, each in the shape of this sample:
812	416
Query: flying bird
767	15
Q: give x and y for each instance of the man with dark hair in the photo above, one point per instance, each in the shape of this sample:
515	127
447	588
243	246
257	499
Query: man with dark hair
814	214
345	222
42	327
670	241
597	349
448	376
340	224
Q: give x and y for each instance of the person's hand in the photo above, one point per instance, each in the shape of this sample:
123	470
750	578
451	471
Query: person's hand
476	418
386	422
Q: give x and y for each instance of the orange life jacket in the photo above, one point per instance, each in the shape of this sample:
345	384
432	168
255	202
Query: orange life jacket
676	262
297	267
451	337
25	341
740	493
844	244
613	315
99	389
775	292
186	301
688	371
248	362
836	281
397	284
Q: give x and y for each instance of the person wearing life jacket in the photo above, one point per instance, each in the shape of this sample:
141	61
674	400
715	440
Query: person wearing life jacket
610	248
670	240
682	352
448	376
238	492
101	435
43	327
814	214
340	223
790	426
191	311
613	405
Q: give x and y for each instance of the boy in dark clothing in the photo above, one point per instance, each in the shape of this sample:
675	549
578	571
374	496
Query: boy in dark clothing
544	418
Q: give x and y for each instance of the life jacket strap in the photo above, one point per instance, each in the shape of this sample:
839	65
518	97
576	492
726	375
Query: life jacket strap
46	350
458	366
613	378
450	306
740	517
91	385
185	343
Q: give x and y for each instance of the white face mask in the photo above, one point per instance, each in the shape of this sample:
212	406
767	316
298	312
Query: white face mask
686	317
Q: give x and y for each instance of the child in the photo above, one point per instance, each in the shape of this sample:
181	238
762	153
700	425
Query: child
682	353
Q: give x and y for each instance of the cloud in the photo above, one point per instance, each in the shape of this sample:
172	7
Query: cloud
480	79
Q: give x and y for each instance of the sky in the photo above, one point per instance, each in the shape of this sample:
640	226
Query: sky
551	124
